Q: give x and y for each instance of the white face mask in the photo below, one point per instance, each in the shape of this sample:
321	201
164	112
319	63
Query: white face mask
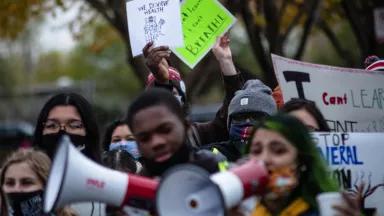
179	98
80	147
129	146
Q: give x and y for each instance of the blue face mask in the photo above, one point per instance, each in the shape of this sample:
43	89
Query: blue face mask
240	131
128	146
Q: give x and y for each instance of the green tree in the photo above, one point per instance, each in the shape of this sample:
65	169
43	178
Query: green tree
272	27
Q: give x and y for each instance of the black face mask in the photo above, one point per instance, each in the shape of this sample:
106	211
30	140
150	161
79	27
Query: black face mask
28	204
179	157
50	142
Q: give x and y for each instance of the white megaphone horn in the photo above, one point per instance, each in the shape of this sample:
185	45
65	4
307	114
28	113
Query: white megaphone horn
189	190
75	178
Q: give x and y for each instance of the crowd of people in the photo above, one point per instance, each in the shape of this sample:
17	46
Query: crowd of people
156	135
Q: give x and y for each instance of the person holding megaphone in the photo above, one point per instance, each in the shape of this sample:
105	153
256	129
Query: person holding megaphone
297	173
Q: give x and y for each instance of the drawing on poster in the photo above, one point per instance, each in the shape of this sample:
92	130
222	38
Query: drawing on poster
367	189
152	28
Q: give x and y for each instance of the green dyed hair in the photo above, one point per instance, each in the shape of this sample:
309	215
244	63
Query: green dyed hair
315	178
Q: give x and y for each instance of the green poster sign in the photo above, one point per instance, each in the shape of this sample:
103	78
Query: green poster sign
203	21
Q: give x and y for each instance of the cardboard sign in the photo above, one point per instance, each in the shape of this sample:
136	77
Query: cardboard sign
203	21
154	20
378	15
355	158
351	100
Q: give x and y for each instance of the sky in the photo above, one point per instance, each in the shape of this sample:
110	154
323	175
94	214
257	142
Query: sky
55	34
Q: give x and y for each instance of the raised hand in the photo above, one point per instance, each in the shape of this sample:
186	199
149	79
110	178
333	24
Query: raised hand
223	54
221	49
156	60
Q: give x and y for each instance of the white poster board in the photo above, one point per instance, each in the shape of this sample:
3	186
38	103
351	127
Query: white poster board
154	20
378	15
356	158
351	100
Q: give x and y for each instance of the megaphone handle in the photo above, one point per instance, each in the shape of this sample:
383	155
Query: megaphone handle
141	187
254	176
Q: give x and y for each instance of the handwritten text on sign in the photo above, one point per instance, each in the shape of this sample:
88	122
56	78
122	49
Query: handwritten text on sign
203	21
355	158
154	20
351	100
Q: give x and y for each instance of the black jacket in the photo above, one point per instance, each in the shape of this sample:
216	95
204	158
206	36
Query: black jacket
216	130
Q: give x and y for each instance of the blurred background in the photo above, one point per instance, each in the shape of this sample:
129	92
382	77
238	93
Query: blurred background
47	46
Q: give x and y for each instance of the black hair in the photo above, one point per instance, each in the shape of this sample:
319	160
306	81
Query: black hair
170	86
109	131
86	113
310	107
155	97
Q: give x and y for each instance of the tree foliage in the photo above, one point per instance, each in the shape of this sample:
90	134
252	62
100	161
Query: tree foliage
283	27
15	15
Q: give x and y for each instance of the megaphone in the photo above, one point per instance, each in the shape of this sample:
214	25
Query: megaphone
189	190
75	178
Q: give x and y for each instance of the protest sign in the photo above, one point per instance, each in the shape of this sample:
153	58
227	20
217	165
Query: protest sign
351	100
355	158
203	21
378	15
154	20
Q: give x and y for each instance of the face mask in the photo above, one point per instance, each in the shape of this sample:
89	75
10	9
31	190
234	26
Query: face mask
128	146
50	142
28	204
281	182
179	98
240	131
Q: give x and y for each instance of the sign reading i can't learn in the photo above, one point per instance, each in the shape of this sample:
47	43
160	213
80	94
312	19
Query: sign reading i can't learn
351	100
203	21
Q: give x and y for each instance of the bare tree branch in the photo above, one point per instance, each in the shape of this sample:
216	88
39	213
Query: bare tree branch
358	26
273	24
312	14
262	53
294	23
102	9
343	53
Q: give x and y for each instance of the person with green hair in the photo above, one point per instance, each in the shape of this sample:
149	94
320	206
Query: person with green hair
297	171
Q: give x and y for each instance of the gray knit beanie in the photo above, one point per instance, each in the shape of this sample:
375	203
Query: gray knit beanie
253	97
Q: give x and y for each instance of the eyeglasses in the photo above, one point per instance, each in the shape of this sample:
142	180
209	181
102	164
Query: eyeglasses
55	126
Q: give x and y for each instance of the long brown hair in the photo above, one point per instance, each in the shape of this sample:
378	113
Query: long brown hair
39	163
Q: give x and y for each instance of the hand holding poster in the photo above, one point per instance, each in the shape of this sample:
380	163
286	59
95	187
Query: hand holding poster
154	20
203	21
355	158
351	100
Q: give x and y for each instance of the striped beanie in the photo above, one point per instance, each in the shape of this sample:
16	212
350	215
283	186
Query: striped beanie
374	63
